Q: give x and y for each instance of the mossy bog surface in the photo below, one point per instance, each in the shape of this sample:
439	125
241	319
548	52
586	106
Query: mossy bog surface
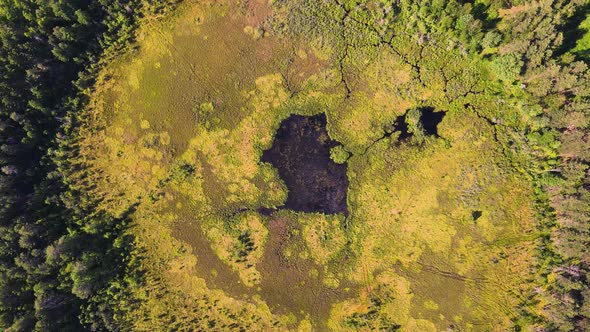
290	180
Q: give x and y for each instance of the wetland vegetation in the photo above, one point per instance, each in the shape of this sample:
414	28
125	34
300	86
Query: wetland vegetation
246	165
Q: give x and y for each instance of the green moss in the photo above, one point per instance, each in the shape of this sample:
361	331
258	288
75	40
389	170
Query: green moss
339	155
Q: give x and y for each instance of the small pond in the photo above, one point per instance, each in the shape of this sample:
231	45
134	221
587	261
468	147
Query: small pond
301	154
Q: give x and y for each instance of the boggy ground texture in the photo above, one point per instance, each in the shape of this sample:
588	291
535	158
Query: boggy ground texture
220	124
301	153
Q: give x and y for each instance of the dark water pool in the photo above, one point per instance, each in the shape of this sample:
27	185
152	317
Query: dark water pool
301	154
429	120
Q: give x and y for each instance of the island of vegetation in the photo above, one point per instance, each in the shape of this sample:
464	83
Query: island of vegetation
294	165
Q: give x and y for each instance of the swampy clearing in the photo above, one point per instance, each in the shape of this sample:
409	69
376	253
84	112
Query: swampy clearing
422	219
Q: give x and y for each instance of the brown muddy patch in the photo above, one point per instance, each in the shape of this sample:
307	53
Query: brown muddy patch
257	11
292	282
213	270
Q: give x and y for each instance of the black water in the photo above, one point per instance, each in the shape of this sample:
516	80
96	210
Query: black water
476	215
301	154
400	125
429	120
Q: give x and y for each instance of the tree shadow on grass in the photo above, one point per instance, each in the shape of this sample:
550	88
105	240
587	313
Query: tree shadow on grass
572	33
